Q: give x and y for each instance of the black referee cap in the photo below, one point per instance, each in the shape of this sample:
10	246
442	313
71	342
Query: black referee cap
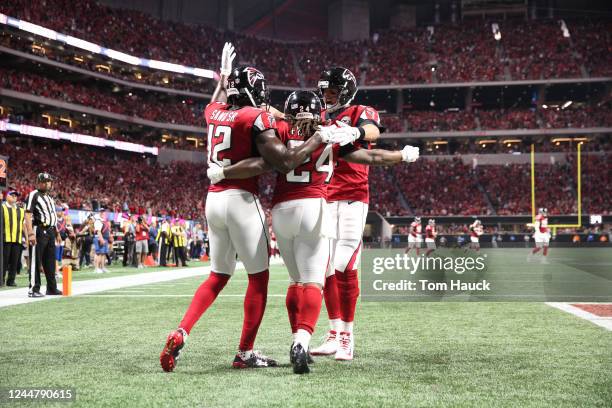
44	177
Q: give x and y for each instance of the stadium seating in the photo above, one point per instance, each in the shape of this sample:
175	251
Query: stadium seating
529	50
131	104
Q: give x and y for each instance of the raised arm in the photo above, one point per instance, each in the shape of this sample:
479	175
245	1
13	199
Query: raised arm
276	154
227	58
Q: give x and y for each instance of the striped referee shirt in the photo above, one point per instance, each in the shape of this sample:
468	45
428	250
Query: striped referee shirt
42	207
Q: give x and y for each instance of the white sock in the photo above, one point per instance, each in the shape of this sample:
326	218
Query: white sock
303	337
348	327
245	355
293	336
335	325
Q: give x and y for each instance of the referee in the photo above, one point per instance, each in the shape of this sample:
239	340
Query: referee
13	218
41	228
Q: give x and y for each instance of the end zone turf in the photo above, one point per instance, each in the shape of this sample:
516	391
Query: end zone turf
106	346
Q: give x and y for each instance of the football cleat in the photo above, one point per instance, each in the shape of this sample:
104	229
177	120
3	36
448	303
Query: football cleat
346	346
329	346
256	360
172	349
310	360
299	359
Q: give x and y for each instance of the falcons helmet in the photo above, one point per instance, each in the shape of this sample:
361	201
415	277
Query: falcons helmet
246	86
341	79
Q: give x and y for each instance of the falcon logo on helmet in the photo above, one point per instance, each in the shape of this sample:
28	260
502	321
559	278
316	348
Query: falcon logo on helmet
246	86
253	74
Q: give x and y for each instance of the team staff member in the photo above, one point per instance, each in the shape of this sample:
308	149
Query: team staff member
179	242
163	239
41	228
13	218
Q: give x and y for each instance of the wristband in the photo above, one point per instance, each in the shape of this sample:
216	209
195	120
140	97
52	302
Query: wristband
361	133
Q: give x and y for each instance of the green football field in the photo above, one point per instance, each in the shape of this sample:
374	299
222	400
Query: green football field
106	347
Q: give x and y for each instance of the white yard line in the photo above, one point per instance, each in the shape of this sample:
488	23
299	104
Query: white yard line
605	322
20	296
161	295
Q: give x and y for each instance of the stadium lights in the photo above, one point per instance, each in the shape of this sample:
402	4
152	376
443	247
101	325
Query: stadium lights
53	134
97	49
566	105
48	117
77	58
511	141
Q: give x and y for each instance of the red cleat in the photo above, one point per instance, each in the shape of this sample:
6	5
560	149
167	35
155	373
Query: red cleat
172	349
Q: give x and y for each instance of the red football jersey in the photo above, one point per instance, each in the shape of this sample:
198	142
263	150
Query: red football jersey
430	231
415	229
231	139
542	223
350	180
310	179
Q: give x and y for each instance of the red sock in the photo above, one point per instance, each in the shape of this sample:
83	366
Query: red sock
203	298
292	301
348	290
254	308
332	300
429	251
417	251
310	307
535	250
545	250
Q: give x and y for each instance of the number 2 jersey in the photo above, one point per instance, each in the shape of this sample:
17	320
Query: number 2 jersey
350	180
231	138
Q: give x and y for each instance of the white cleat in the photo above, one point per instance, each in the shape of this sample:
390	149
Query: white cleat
346	345
329	346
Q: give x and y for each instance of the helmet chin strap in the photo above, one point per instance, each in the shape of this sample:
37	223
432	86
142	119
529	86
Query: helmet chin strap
250	97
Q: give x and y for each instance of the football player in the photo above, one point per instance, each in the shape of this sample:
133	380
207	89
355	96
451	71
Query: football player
348	199
238	129
415	236
299	214
430	236
476	231
541	233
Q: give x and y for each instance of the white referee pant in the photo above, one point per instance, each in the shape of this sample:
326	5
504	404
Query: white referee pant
348	220
301	229
236	226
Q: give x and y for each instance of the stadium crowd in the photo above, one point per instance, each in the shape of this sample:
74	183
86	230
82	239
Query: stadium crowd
121	182
131	104
529	50
130	182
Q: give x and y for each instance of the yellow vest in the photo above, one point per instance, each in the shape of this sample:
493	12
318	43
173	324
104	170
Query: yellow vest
178	237
13	224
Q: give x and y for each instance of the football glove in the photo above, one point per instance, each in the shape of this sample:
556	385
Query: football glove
326	133
215	173
227	59
345	134
410	154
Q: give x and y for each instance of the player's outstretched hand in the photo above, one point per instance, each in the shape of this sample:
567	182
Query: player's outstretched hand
410	154
227	59
215	173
